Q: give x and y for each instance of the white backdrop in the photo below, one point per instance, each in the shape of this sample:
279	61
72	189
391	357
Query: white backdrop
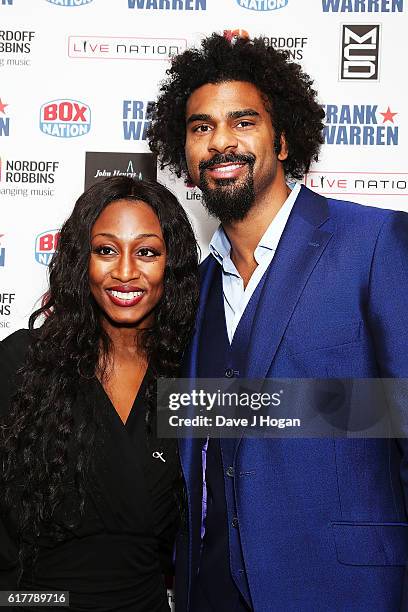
98	62
102	60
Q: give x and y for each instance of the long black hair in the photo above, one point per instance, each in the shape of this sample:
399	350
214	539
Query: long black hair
40	470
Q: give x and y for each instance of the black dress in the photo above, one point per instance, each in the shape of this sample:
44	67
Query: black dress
116	558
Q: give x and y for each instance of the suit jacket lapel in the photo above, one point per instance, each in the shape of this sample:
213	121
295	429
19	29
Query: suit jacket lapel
190	361
190	448
299	250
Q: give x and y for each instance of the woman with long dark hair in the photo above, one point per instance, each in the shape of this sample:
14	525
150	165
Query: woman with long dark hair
89	494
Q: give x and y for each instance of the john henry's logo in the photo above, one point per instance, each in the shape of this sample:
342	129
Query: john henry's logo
130	170
262	5
99	165
358	125
4	121
46	245
2	253
169	5
136	119
6	299
363	6
70	2
65	118
360	47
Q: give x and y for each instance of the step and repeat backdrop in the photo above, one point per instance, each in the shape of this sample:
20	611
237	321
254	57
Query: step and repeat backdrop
77	77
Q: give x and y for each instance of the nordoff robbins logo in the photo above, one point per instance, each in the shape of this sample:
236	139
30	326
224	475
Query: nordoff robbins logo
262	5
70	2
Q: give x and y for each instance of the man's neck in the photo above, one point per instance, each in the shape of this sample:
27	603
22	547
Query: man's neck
245	235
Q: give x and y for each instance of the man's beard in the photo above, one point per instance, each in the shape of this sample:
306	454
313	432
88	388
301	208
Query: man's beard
231	199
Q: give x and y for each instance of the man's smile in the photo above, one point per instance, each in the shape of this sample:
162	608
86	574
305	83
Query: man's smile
226	170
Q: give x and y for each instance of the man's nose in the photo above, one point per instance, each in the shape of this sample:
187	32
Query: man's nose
222	139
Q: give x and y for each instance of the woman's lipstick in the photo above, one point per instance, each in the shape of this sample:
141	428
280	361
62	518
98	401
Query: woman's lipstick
125	296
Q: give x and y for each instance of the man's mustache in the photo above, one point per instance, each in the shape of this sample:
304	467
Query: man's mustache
225	159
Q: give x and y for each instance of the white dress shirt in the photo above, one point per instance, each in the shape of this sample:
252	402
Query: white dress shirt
236	297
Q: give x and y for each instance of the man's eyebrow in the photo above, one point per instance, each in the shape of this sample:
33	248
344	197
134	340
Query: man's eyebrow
245	112
198	117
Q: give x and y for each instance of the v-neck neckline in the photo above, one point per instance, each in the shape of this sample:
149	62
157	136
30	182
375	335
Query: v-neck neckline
130	418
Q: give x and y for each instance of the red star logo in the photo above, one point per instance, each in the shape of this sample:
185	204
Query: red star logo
388	115
2	107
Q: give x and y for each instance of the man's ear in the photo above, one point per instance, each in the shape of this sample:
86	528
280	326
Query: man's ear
284	152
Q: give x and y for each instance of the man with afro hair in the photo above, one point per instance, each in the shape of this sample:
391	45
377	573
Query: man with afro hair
295	286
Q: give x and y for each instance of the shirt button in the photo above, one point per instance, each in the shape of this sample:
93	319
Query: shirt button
229	372
234	522
230	471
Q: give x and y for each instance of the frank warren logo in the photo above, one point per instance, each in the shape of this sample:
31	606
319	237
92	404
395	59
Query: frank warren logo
362	124
69	2
65	118
262	5
99	165
119	47
169	5
360	49
46	245
2	253
4	120
136	119
363	6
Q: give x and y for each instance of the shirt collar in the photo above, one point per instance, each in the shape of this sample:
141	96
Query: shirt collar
220	246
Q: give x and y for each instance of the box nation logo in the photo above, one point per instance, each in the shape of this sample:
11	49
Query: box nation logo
69	2
262	5
46	245
65	118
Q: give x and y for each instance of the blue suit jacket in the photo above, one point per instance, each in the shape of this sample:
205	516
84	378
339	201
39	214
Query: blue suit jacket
323	522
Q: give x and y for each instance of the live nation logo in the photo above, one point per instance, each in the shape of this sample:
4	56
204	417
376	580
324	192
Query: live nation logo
100	165
358	183
122	47
360	52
